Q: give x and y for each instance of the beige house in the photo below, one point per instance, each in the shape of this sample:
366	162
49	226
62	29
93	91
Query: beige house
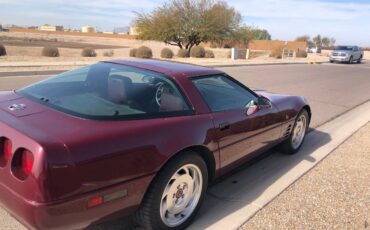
50	28
88	29
134	31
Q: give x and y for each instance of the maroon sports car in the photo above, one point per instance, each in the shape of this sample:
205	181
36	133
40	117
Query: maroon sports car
133	136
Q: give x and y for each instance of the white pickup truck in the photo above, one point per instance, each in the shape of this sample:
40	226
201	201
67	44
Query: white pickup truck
347	54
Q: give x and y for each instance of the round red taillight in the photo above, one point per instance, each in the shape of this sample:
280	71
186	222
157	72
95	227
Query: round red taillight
5	151
27	162
22	163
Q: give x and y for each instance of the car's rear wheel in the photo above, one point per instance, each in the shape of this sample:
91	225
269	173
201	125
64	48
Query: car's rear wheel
176	194
296	138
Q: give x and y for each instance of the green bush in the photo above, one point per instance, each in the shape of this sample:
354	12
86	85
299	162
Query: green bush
88	52
167	53
109	53
301	54
209	54
144	52
133	52
198	52
50	51
2	50
183	53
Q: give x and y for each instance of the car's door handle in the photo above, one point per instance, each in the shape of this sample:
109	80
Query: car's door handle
224	126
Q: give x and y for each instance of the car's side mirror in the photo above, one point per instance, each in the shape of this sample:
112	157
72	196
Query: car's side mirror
252	110
264	103
261	104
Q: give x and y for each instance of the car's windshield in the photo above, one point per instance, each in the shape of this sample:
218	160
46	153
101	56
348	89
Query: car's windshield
346	48
110	91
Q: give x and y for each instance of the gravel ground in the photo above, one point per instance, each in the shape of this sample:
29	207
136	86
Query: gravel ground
7	222
334	195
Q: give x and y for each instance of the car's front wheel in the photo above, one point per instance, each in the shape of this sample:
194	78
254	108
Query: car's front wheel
296	138
175	194
359	60
350	60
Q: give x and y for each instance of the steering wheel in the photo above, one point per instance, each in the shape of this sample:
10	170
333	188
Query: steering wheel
158	93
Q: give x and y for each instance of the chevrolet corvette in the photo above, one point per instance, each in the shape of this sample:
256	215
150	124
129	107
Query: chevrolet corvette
140	137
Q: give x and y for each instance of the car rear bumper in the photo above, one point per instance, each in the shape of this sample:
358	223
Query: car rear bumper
73	213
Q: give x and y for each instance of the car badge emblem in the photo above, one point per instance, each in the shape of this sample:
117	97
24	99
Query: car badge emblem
17	107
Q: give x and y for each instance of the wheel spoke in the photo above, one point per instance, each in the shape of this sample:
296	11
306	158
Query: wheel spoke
299	131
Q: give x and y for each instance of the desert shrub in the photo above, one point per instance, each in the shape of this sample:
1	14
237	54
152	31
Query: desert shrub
2	50
213	45
167	53
182	53
209	54
227	46
88	52
50	51
301	54
144	52
198	52
277	53
133	52
109	53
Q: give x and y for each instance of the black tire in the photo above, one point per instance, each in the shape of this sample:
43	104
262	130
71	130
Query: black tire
148	216
359	60
350	60
331	61
287	146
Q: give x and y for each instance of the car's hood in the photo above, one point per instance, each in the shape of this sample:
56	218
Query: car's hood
289	105
273	97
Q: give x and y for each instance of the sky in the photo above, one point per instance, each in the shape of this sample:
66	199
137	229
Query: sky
347	21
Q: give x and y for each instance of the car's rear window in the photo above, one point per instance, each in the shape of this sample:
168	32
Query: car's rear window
110	91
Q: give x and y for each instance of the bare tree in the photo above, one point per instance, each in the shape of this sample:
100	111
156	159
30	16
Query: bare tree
332	42
325	41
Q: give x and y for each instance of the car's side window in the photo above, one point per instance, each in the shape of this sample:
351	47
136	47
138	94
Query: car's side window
221	93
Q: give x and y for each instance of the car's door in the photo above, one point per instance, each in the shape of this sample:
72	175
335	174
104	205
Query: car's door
239	134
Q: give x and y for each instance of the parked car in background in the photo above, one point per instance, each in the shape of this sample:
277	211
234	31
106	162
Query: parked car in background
140	136
314	49
347	54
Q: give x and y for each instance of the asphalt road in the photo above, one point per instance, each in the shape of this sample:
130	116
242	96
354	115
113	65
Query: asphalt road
331	90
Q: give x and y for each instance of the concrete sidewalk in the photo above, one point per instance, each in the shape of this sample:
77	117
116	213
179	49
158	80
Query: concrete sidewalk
334	195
